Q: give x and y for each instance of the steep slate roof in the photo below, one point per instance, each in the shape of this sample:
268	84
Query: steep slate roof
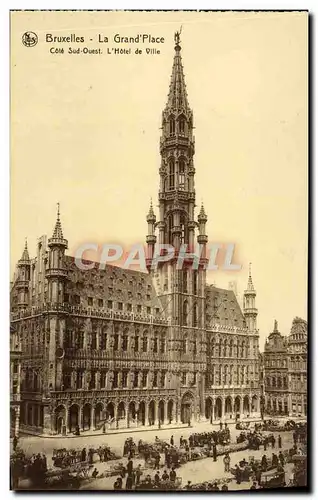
222	307
112	283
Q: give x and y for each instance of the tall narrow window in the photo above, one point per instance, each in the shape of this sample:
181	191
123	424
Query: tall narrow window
181	125
169	228
171	125
171	174
195	282
185	313
195	315
184	235
181	174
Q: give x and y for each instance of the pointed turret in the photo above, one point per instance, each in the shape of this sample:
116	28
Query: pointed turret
57	237
250	311
56	271
151	215
23	278
275	326
151	237
25	255
202	217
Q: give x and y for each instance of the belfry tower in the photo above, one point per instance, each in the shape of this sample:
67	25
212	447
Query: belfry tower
180	281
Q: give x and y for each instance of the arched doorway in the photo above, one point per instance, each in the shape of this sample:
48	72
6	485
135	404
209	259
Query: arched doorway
73	421
131	412
142	413
151	413
228	406
170	411
254	404
86	417
246	405
208	409
237	405
186	408
161	412
218	408
110	411
60	414
98	413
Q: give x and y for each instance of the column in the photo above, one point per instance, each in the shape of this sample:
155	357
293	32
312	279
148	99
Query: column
92	426
116	414
156	412
166	413
223	408
80	418
67	419
127	415
120	379
17	421
213	410
146	413
249	407
241	404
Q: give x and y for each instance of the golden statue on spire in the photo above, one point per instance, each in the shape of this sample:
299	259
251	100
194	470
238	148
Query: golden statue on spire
177	36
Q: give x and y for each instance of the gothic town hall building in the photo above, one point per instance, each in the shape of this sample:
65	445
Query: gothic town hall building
125	348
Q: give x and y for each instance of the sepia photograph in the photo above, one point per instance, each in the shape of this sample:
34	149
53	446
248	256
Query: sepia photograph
158	250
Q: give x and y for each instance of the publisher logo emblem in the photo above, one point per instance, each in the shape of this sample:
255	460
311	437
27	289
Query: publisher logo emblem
29	39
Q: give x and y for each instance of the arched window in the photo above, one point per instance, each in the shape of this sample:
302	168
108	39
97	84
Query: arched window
181	174
195	314
169	229
213	348
195	282
274	382
182	125
184	234
171	174
184	281
171	125
185	312
231	348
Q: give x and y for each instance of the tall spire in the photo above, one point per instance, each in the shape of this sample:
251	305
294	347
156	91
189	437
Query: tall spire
250	285
25	255
58	232
177	97
275	326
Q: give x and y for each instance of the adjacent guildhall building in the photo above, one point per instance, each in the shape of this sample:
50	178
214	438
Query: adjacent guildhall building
133	348
285	370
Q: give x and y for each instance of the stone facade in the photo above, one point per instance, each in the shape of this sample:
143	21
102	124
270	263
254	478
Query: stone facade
125	348
15	382
285	371
297	367
276	373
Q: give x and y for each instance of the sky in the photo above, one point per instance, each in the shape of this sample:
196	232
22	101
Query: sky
85	132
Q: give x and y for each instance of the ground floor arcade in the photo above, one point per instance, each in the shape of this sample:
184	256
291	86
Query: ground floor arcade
70	416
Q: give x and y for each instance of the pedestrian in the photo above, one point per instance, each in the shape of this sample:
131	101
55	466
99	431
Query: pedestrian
138	474
265	444
181	441
279	441
165	476
130	467
253	487
226	461
129	482
95	473
189	487
225	487
281	458
104	429
83	455
173	475
214	452
171	441
157	460
273	442
157	478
